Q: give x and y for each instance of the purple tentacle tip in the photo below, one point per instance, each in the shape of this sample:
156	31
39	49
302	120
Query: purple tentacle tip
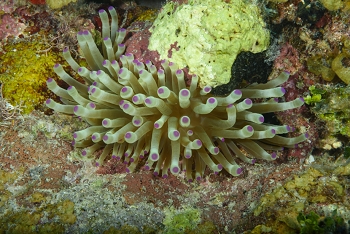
148	101
185	119
175	169
154	156
176	133
250	128
160	91
261	119
104	122
212	100
185	92
283	90
220	167
273	155
216	150
237	92
207	89
288	128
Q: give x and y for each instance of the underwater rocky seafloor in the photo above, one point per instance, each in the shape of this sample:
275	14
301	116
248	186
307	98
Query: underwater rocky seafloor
45	189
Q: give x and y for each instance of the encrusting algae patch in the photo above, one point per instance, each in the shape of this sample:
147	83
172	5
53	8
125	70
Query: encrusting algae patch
26	65
315	186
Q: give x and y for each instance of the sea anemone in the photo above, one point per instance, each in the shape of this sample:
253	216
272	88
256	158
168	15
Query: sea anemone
149	117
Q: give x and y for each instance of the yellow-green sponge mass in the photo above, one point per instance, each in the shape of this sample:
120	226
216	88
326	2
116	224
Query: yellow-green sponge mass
207	36
24	71
57	4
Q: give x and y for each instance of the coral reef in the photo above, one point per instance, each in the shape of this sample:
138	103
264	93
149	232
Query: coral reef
43	187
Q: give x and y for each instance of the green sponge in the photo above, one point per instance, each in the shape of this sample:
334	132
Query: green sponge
207	36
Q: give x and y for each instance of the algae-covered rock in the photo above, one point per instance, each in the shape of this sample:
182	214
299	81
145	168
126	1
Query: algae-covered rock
57	4
24	71
284	204
208	35
177	221
341	66
317	66
333	5
343	170
333	107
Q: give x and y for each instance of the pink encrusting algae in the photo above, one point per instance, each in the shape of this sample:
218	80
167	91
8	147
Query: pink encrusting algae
146	115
